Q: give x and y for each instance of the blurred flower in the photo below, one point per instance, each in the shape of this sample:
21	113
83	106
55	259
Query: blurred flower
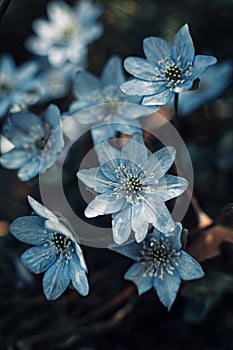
15	83
213	82
65	36
160	264
114	111
167	69
133	187
56	251
30	135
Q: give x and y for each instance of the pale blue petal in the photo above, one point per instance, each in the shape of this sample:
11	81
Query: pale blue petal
121	225
156	49
53	116
106	152
170	187
140	223
144	282
160	162
189	268
183	46
103	204
29	229
39	258
158	214
78	276
29	170
174	236
112	73
141	87
167	288
89	177
140	68
56	280
102	133
135	149
201	63
14	159
161	98
25	74
108	169
40	210
130	249
131	111
85	84
7	64
5	104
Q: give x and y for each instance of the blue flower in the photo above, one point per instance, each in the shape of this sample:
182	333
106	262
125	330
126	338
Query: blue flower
15	83
160	264
132	186
114	111
55	252
213	82
167	69
32	138
67	33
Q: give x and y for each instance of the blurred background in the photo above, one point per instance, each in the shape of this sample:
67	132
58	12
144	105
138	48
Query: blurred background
113	316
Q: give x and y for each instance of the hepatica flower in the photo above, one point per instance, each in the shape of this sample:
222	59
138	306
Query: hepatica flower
68	31
132	186
167	68
55	252
33	137
15	83
113	110
160	264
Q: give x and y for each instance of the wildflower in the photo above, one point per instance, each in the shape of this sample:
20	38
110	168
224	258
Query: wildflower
114	111
15	83
132	186
213	82
160	264
56	251
65	36
167	69
30	135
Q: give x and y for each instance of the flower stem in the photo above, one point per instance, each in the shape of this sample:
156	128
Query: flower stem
176	118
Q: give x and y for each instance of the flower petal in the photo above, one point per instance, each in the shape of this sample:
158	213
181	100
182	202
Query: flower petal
201	63
161	98
39	258
156	49
170	187
140	68
130	249
29	229
158	214
103	204
135	149
14	159
103	132
141	87
144	282
112	73
106	152
189	268
56	280
78	276
85	84
40	210
121	225
183	46
140	222
167	288
159	162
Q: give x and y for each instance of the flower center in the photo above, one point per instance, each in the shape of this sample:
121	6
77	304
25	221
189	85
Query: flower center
40	143
60	242
173	73
132	184
158	257
4	87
